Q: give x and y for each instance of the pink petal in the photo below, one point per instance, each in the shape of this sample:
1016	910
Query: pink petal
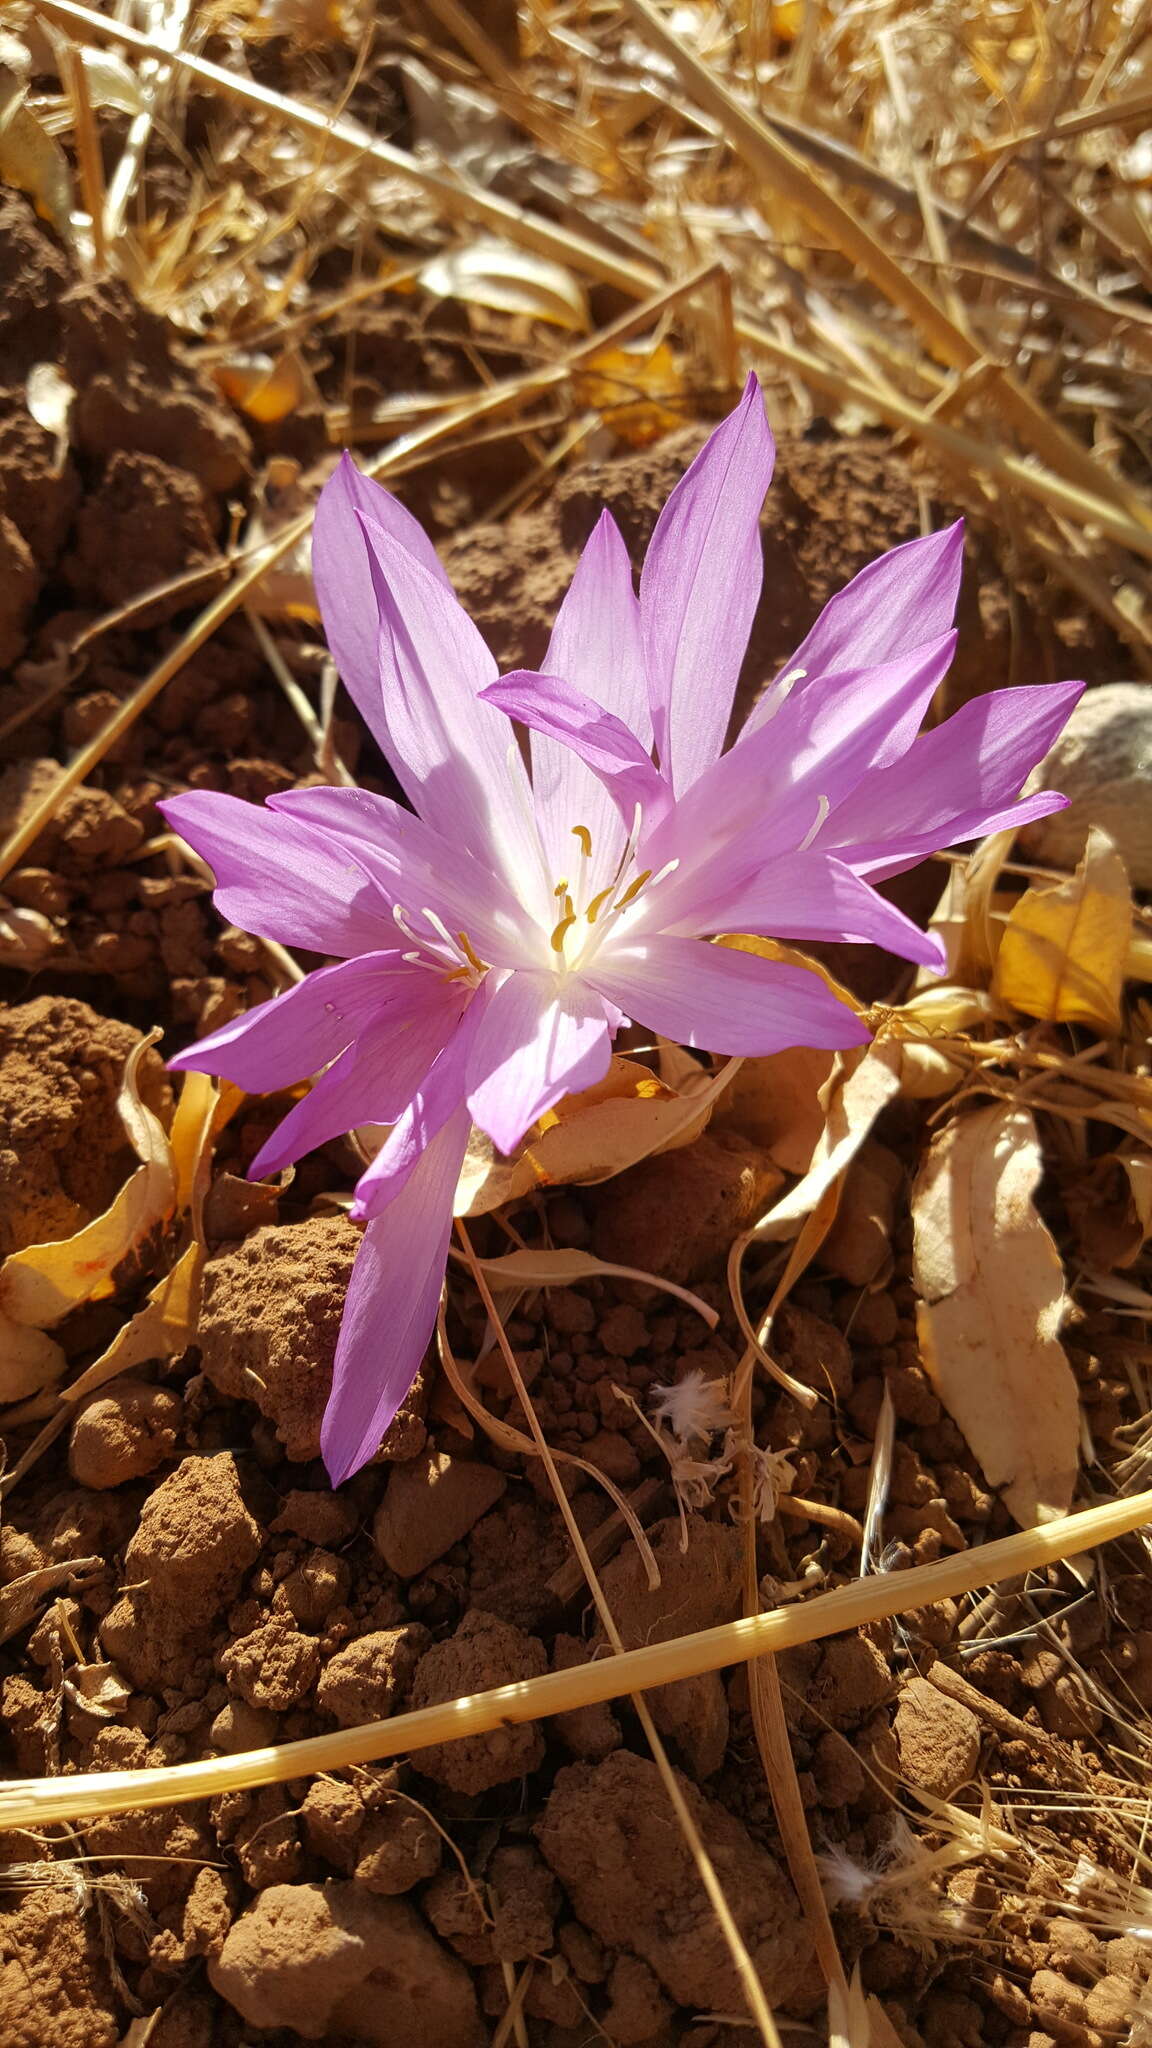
455	757
282	879
596	646
589	734
958	782
810	896
372	1082
700	587
418	868
723	1001
764	797
905	598
296	1033
541	1037
432	1103
390	1311
343	578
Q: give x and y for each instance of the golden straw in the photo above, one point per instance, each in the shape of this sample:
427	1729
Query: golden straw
37	1802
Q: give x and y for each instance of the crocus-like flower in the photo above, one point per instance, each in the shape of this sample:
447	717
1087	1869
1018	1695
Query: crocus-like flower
491	940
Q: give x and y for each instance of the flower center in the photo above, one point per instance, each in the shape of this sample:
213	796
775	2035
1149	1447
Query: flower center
585	922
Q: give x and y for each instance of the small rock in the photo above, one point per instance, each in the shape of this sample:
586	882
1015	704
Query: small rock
483	1652
858	1246
429	1505
638	2007
315	1958
1102	761
1109	2006
238	1726
689	1203
367	1678
319	1583
698	1588
123	1434
525	1897
332	1819
1058	2004
938	1739
399	1847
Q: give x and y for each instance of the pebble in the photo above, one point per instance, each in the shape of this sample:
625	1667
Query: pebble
430	1504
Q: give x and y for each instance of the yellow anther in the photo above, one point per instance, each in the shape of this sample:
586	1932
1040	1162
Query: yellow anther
561	932
633	889
561	889
582	833
593	910
470	953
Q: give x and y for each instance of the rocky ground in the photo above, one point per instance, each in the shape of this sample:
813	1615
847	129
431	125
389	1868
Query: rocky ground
237	1601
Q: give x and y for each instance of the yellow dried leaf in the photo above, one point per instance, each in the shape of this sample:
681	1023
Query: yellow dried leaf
860	1086
639	391
29	1360
591	1136
32	160
1065	949
992	1299
267	388
41	1284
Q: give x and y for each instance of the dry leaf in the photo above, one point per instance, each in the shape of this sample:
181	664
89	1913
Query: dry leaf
28	1360
21	1597
992	1300
32	160
638	390
1111	1207
1064	951
42	1283
860	1086
592	1136
488	272
267	388
523	1269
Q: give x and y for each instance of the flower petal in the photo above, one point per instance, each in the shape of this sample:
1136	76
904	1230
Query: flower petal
436	1098
390	1311
812	896
586	732
282	879
343	578
596	646
764	798
904	598
418	868
372	1082
723	1001
957	782
300	1031
455	757
700	586
542	1036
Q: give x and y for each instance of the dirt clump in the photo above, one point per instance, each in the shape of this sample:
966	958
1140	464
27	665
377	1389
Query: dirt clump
938	1739
20	584
368	1678
430	1504
196	1539
63	1154
699	1588
313	1958
610	1838
123	1434
39	490
145	524
270	1320
483	1652
678	1214
54	1982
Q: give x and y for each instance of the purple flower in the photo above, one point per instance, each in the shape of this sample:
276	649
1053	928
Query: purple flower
492	940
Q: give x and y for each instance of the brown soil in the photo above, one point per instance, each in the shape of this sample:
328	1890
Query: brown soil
240	1602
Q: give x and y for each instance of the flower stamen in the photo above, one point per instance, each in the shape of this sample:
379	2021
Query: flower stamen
822	809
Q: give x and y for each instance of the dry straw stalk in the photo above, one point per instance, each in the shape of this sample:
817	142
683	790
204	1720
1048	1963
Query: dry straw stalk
39	1802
